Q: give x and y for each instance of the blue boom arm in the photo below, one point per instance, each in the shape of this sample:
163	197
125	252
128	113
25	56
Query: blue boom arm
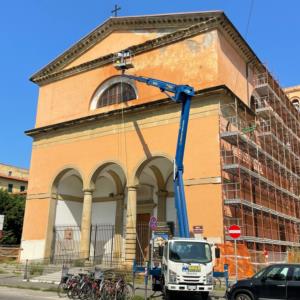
182	94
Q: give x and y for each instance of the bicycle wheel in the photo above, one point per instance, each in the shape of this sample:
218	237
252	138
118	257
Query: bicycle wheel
74	291
125	292
62	290
107	291
86	292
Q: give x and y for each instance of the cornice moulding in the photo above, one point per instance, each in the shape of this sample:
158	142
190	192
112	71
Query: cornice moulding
42	131
181	20
136	50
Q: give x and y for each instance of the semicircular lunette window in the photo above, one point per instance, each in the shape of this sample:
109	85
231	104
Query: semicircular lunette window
296	103
116	93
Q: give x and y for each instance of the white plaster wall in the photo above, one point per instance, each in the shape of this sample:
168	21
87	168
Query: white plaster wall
103	187
68	213
71	185
32	249
171	211
104	213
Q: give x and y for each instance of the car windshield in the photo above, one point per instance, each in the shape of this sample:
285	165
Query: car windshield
190	252
259	273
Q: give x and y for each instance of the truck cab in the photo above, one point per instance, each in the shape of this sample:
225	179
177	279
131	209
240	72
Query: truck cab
187	266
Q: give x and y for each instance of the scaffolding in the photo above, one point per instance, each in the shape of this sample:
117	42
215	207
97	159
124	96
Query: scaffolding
260	158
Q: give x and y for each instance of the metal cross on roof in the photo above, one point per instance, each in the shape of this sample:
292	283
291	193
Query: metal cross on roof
115	11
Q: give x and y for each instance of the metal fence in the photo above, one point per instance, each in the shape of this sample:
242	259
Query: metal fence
107	246
143	235
259	260
66	243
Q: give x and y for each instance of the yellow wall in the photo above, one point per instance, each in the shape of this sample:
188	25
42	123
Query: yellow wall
10	175
232	70
14	171
89	148
115	42
204	61
293	92
192	61
16	184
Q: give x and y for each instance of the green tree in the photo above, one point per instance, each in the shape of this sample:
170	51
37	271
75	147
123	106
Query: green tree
12	207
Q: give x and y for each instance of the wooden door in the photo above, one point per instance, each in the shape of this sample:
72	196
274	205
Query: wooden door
142	238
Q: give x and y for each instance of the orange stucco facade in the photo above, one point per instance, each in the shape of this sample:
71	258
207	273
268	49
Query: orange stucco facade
132	133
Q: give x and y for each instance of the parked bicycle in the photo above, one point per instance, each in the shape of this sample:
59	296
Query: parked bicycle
95	286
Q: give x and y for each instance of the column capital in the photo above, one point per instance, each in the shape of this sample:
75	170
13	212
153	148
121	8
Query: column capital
132	187
162	193
88	191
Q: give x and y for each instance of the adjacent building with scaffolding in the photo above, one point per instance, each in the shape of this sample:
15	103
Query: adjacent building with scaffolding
261	167
103	145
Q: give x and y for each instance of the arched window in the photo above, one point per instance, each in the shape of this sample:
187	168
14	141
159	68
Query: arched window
296	103
116	93
113	91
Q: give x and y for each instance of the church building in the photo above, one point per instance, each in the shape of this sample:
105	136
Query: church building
104	145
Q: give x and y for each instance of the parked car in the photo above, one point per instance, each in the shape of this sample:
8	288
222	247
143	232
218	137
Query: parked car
279	281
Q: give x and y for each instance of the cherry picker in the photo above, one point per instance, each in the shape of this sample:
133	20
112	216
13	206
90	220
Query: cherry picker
186	263
181	94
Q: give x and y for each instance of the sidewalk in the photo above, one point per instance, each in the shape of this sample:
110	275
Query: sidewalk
11	280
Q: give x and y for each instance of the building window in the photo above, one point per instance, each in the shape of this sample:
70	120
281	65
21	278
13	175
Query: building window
22	188
10	187
116	93
113	91
296	103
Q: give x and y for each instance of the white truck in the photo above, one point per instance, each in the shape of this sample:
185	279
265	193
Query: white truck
186	266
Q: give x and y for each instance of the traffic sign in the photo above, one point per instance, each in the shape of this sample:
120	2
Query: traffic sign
234	231
153	223
198	229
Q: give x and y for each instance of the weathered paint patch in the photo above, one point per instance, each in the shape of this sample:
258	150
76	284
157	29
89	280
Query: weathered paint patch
197	46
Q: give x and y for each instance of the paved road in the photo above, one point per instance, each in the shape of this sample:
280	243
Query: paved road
7	293
21	294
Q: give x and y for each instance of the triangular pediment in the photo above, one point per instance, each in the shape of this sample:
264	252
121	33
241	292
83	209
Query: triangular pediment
142	28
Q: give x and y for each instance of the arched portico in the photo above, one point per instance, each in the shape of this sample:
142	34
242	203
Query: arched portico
103	212
65	214
150	194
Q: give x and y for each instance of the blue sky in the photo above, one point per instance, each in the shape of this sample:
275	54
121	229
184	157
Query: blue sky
33	32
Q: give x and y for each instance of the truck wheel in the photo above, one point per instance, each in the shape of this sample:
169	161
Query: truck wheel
167	295
242	296
204	295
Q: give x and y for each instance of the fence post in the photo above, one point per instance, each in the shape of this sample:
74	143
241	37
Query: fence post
64	271
112	244
133	276
25	270
95	241
226	275
146	280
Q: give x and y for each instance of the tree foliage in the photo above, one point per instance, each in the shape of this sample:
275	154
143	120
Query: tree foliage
12	207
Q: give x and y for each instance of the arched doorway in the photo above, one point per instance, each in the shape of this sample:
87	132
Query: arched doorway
68	192
155	197
107	232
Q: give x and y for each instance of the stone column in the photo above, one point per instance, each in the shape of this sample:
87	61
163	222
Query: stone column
162	206
49	241
86	224
130	244
118	226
